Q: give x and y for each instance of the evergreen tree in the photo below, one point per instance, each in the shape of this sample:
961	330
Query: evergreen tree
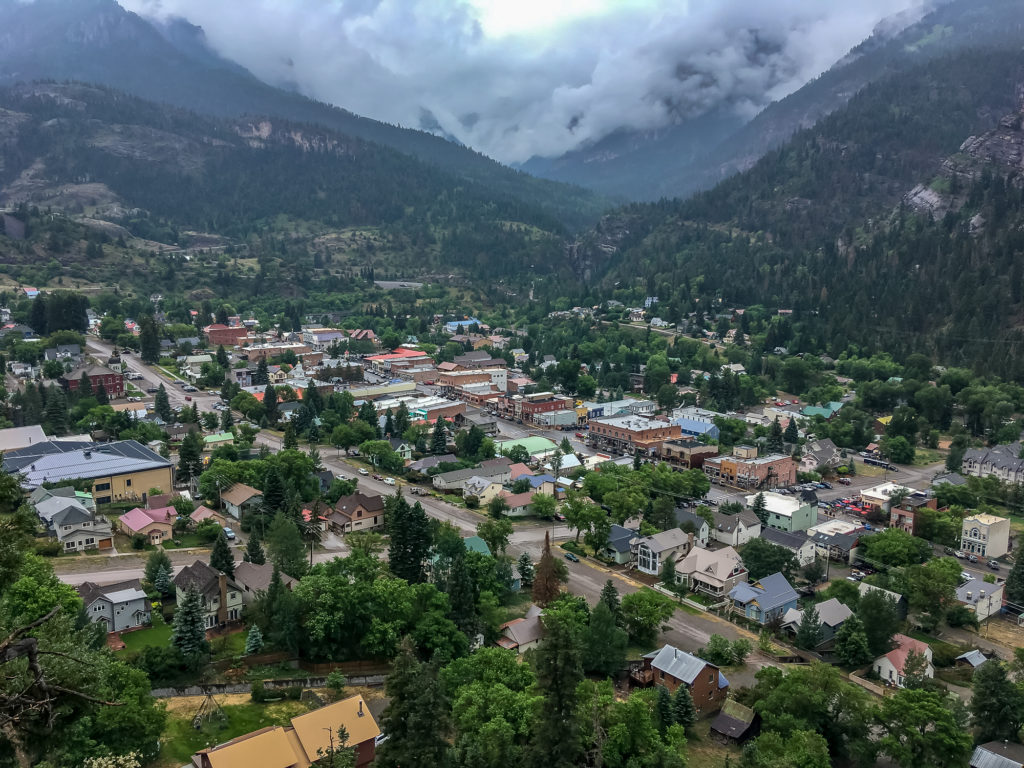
280	609
222	357
56	410
1015	582
190	461
461	598
402	421
273	489
389	425
525	567
409	529
290	441
668	572
416	717
162	405
85	385
760	509
254	551
227	421
313	399
604	648
254	639
664	712
808	634
557	733
791	435
285	546
101	394
189	632
773	443
163	582
261	376
851	643
157	560
149	340
439	437
997	706
368	415
270	404
683	709
221	557
610	597
548	578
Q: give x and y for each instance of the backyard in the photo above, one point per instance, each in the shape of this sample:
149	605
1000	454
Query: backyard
157	635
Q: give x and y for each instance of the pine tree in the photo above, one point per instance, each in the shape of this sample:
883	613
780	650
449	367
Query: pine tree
439	437
253	641
610	597
270	403
1015	582
604	647
409	529
157	560
85	385
402	420
162	405
557	734
262	375
774	441
149	340
683	709
190	461
760	509
525	567
290	441
222	357
416	718
189	632
808	634
461	598
285	546
56	414
389	425
273	489
664	712
227	421
851	643
163	582
668	572
221	557
254	551
791	435
547	579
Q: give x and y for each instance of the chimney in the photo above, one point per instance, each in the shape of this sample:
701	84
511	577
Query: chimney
87	455
689	542
360	708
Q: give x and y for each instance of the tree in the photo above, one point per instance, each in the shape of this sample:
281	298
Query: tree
157	560
221	557
162	405
760	509
270	404
897	449
684	712
409	529
149	340
189	632
549	575
525	567
253	640
56	412
668	572
997	706
919	728
285	546
797	749
895	547
416	717
762	558
604	643
262	375
880	617
461	597
290	440
558	739
809	633
102	398
254	551
610	597
222	357
190	461
643	613
84	384
497	507
439	437
851	643
1015	582
226	420
163	582
495	533
273	489
791	435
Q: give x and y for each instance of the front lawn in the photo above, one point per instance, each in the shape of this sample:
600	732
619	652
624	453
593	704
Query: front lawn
157	635
186	541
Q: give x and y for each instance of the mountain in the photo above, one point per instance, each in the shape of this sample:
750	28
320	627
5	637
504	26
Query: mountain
696	154
300	207
885	225
97	41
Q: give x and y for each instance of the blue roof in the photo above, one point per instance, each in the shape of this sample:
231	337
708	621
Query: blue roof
770	592
694	426
536	481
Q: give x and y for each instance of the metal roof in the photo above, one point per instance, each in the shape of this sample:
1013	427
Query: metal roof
998	754
680	664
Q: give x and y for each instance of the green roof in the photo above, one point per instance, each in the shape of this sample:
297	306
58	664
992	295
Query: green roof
534	445
220	437
476	544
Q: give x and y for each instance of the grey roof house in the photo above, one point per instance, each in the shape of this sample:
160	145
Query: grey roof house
735	530
651	552
686	519
765	600
118	606
831	615
796	542
618	548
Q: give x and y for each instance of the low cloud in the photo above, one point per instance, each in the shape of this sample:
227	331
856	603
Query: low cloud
431	64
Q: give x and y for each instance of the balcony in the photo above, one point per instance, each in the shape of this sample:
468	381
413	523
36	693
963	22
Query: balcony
641	675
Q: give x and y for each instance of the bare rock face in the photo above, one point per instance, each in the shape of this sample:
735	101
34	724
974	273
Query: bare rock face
926	200
1002	147
591	253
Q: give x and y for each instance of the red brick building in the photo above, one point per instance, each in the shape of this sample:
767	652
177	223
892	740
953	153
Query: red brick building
225	335
672	668
112	381
632	434
526	407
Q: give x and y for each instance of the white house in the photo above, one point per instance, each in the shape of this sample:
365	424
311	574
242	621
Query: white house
891	667
735	530
650	552
714	573
980	597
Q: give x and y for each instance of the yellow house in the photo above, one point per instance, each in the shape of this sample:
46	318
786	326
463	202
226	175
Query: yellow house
121	471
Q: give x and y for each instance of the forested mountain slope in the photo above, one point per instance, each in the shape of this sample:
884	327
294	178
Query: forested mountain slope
97	41
835	227
678	160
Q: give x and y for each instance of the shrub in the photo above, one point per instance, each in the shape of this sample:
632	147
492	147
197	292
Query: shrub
472	502
139	541
48	548
259	692
961	616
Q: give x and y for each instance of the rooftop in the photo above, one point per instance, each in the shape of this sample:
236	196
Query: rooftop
777	503
55	461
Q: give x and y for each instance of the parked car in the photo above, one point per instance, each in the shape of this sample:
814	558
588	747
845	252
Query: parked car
845	480
571	557
362	472
993	564
973	558
948	551
389	481
960	554
229	534
188	398
377	477
152	390
560	517
965	576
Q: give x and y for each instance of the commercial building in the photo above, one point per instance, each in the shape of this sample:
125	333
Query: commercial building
687	452
745	469
524	408
631	434
111	381
381	364
629	405
985	535
904	515
322	339
16	438
787	513
878	498
220	335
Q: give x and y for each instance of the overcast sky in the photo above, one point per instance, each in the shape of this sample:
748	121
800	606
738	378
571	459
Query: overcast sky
518	78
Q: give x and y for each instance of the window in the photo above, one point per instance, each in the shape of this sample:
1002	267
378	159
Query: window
232	595
128	482
90	541
69	545
102	487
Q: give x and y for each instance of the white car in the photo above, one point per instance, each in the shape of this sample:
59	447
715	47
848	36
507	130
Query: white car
362	472
389	481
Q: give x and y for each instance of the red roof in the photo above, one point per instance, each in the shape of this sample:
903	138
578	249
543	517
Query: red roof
398	354
904	645
517	499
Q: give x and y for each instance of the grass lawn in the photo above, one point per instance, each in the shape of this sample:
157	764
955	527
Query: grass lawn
703	751
180	740
188	540
159	635
925	456
229	646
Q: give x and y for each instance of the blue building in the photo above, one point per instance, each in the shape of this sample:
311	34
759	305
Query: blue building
460	325
764	600
694	428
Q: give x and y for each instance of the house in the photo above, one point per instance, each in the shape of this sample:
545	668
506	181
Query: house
484	488
519	470
898	600
222	597
402	448
998	754
357	512
519	504
904	514
429	462
891	667
985	535
831	615
476	544
118	606
493	470
981	598
155	524
796	542
618	546
78	528
841	547
651	552
735	530
124	470
690	522
672	668
216	440
239	499
1002	461
765	600
712	573
734	724
522	635
254	579
819	456
202	512
879	498
826	411
65	353
972	659
787	513
301	744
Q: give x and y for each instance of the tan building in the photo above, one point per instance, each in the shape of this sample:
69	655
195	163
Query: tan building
687	453
744	469
985	535
357	512
631	434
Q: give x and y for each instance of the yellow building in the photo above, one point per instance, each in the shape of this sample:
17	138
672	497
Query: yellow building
121	471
